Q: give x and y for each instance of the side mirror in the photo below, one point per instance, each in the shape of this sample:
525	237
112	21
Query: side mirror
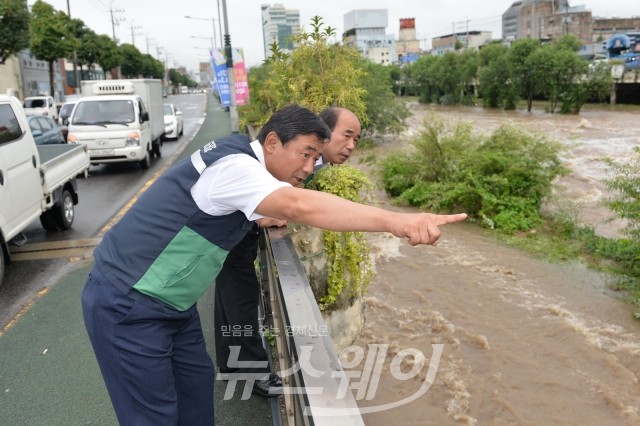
36	133
178	112
144	116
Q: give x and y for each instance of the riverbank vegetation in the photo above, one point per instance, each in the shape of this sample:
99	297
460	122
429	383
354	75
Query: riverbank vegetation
502	180
498	76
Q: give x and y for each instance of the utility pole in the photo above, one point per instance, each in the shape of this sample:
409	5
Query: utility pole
219	24
148	44
78	89
114	20
134	33
233	112
467	39
455	38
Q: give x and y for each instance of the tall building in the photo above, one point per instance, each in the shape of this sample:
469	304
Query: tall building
511	22
468	40
206	73
366	30
279	25
408	45
546	20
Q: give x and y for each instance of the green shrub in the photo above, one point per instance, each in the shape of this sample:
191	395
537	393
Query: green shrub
626	252
349	266
500	180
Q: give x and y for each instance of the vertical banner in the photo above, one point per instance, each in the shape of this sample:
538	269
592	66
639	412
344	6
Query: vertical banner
219	65
240	74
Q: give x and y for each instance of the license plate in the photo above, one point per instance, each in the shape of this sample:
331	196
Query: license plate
100	152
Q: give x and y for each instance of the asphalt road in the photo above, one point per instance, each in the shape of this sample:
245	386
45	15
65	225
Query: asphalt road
102	195
48	372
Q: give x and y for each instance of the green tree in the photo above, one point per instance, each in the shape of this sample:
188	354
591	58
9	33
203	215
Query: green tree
422	72
151	67
447	77
558	74
132	61
385	113
51	36
568	42
495	87
88	50
14	28
108	55
315	75
521	70
175	77
599	82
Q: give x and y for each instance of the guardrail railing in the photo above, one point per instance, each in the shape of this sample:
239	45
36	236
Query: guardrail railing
316	390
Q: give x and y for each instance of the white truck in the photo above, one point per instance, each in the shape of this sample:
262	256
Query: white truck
119	120
35	180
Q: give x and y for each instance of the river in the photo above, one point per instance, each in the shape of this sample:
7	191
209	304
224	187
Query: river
504	338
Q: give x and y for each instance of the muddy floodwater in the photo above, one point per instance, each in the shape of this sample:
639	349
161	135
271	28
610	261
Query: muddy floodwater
475	332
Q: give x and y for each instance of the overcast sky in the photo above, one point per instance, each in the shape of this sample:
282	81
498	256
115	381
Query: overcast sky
162	23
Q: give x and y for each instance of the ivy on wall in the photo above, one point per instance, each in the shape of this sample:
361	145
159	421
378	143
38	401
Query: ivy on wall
349	266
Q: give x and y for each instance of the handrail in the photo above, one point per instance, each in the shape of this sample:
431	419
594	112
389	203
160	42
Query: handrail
316	389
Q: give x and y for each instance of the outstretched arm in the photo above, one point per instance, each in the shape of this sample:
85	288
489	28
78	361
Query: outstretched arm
326	211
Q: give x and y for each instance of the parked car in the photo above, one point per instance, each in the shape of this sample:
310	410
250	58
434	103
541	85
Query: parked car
40	105
45	131
173	125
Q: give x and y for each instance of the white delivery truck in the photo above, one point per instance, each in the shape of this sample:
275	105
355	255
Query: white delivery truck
119	120
35	180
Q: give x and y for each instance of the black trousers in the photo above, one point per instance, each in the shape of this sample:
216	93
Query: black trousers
237	296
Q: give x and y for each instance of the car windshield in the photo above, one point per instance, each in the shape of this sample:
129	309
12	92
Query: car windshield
99	112
66	109
34	103
168	110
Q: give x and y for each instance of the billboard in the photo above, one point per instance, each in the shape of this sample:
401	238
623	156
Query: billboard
219	65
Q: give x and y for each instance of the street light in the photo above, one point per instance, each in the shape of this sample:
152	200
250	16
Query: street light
206	38
213	21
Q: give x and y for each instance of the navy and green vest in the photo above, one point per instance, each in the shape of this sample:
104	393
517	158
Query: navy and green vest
165	246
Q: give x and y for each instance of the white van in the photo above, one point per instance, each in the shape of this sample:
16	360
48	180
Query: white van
40	105
119	120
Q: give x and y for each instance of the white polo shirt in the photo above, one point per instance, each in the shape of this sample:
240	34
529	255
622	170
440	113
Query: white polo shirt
235	182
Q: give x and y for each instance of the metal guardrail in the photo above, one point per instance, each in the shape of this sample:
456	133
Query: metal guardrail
316	389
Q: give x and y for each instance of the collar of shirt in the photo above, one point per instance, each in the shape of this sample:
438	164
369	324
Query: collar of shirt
257	149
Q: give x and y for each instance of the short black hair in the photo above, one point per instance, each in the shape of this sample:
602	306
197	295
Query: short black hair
330	116
294	120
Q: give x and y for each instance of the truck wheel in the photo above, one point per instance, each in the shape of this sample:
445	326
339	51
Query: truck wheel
156	149
64	212
2	264
146	162
48	221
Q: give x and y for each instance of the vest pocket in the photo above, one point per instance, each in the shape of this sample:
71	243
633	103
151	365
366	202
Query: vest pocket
183	273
